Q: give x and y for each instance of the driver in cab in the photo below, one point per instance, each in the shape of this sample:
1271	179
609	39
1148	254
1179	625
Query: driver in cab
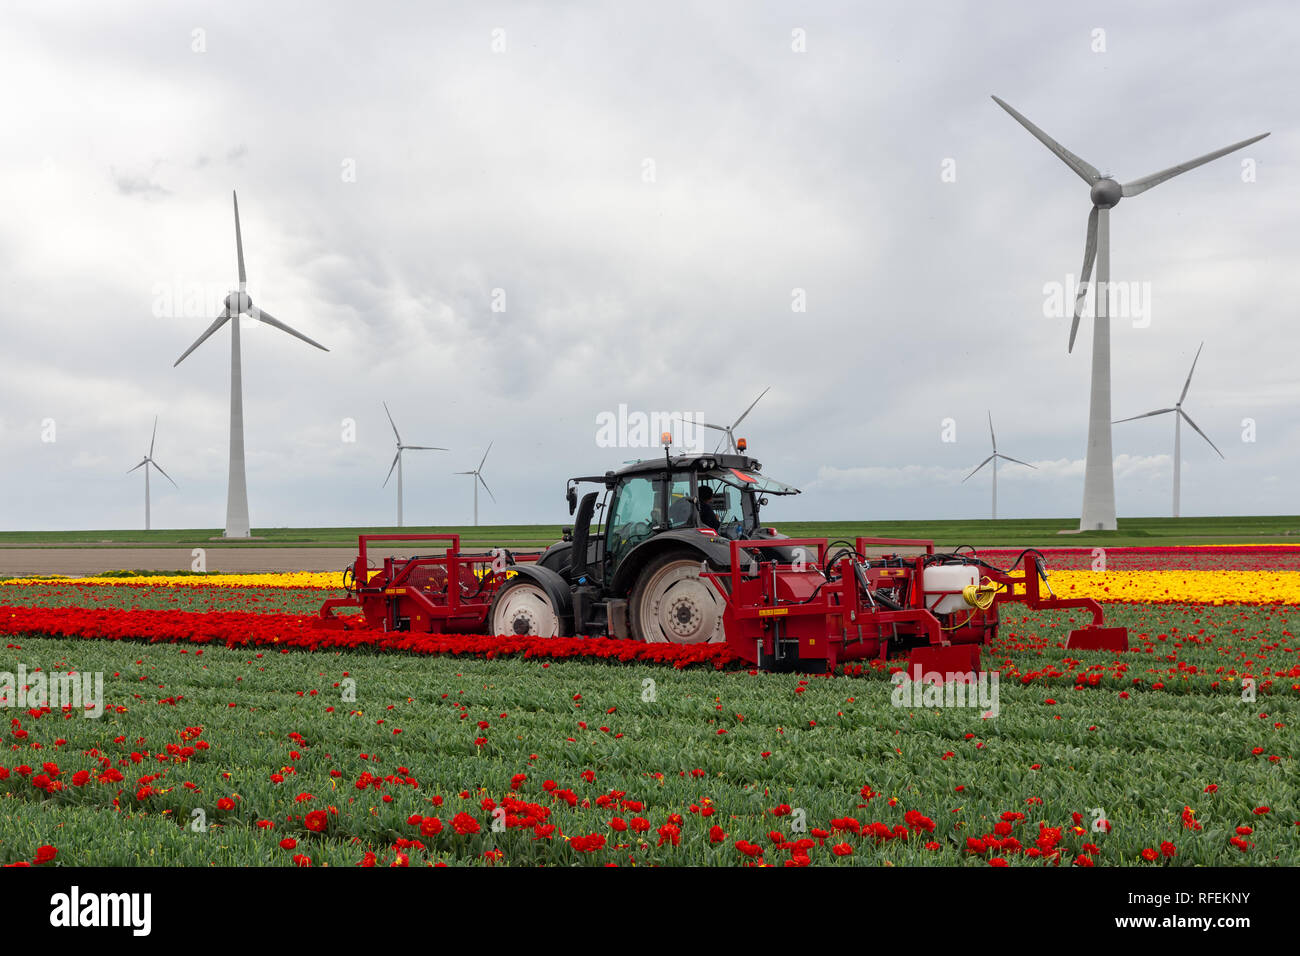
708	516
683	515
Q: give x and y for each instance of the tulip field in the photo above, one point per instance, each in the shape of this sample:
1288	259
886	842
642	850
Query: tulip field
234	732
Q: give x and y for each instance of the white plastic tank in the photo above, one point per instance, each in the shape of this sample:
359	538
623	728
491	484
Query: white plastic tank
947	577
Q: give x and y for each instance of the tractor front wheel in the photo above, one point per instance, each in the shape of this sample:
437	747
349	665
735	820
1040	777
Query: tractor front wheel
522	608
672	604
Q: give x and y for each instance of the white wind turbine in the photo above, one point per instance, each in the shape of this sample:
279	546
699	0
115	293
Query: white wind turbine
994	458
397	461
729	430
1179	417
237	304
145	462
1099	472
478	479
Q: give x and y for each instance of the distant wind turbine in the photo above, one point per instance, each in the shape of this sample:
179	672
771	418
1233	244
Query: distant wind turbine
145	462
1179	417
994	458
397	461
729	430
478	479
237	304
1099	470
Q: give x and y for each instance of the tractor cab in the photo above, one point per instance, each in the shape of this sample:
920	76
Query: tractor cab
689	506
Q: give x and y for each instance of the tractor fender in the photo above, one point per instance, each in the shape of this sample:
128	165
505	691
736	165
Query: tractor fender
549	581
715	550
557	556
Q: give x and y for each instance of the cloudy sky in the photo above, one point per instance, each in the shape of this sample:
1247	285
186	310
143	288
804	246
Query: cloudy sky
507	219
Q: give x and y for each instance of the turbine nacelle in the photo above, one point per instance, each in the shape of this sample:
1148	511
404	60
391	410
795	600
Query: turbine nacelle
1106	193
239	303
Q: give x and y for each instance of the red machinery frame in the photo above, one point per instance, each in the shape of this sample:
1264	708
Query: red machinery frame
774	605
412	582
775	612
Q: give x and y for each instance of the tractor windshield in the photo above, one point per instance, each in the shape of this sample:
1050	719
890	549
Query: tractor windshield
751	481
734	498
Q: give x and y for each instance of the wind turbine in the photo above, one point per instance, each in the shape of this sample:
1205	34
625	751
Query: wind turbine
729	430
1099	472
478	479
237	304
1179	416
145	462
994	458
397	461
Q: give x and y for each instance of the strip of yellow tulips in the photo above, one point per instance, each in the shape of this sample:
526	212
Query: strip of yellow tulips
1139	587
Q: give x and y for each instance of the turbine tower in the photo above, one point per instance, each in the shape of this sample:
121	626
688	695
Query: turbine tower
994	458
478	479
1179	417
397	461
145	462
729	430
237	304
1099	472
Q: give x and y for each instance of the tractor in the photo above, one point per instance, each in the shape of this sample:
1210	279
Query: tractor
637	574
680	555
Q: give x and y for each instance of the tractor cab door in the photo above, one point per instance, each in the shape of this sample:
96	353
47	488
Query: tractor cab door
635	514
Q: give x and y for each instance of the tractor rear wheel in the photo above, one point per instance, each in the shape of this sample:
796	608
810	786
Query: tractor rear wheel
671	603
523	607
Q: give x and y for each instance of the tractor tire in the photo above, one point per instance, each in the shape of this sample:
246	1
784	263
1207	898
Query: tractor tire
522	607
671	604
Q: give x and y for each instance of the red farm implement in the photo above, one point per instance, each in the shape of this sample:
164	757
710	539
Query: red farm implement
780	603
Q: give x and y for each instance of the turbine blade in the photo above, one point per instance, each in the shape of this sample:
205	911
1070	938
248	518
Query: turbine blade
485	454
1188	383
1086	171
991	435
391	422
422	448
464	473
1085	274
1017	461
239	244
978	467
1155	179
1187	418
391	467
155	435
751	407
263	316
1158	411
485	487
141	465
163	473
221	320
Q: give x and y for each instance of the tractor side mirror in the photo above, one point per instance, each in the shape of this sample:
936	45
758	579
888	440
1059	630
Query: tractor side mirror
573	499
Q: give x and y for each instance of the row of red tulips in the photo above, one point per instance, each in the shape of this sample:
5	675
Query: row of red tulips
235	629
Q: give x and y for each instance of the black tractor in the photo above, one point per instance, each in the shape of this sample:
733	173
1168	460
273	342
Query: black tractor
635	572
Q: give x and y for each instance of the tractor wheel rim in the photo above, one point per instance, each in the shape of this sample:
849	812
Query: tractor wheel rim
680	607
526	610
